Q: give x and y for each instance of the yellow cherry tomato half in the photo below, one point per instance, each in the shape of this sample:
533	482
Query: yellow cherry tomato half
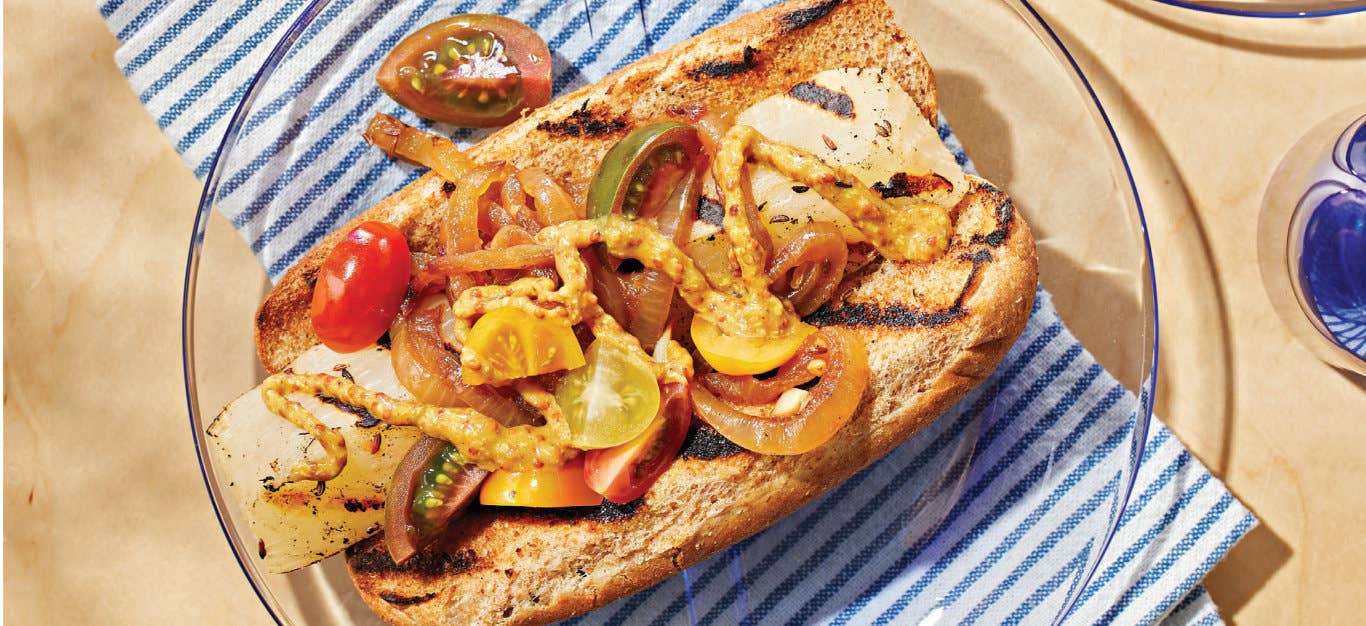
546	487
510	343
610	400
739	356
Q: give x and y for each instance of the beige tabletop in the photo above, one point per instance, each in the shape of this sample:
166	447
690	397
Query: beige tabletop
105	517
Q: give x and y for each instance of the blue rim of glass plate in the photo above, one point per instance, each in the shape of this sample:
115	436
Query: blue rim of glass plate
201	223
1041	29
1149	387
1280	11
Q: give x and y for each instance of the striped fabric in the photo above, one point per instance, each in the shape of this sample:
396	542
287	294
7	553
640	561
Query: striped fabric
993	515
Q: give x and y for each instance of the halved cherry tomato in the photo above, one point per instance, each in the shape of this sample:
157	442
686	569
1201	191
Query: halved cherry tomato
508	343
431	487
545	487
612	399
624	473
360	287
470	70
639	172
745	355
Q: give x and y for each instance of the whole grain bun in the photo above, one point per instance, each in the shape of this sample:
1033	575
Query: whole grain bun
729	67
933	331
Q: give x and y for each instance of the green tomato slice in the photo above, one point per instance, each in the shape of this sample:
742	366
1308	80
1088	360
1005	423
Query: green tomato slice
627	174
611	399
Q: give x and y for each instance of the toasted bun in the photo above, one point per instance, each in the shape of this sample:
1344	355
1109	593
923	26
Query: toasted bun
568	137
933	331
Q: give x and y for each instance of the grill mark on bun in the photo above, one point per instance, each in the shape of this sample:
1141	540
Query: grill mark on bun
584	123
979	258
1005	214
801	18
609	512
835	102
398	600
891	316
727	68
605	512
372	558
897	315
310	277
705	444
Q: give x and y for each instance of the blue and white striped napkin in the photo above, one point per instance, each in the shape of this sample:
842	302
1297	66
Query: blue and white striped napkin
990	516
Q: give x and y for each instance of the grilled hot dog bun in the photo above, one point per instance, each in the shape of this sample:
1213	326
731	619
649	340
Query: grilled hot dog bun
932	331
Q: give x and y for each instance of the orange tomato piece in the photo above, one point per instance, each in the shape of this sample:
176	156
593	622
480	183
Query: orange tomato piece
545	487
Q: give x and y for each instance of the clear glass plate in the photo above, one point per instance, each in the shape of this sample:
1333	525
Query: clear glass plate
1015	98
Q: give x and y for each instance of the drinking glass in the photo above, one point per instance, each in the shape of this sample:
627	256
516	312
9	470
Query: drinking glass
1311	240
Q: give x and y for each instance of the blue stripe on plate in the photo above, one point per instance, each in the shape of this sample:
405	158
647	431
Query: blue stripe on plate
1209	620
1011	539
107	8
263	112
1190	599
342	125
1160	526
1071	571
1049	543
335	217
195	54
1028	563
1195	608
1230	538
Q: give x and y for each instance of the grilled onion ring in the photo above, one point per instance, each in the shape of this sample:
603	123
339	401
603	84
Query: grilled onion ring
750	390
832	402
809	268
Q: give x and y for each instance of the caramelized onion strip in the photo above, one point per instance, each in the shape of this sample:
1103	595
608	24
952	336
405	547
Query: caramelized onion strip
512	236
460	230
831	403
607	286
514	202
711	124
654	299
512	257
431	370
799	370
401	141
810	267
553	203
